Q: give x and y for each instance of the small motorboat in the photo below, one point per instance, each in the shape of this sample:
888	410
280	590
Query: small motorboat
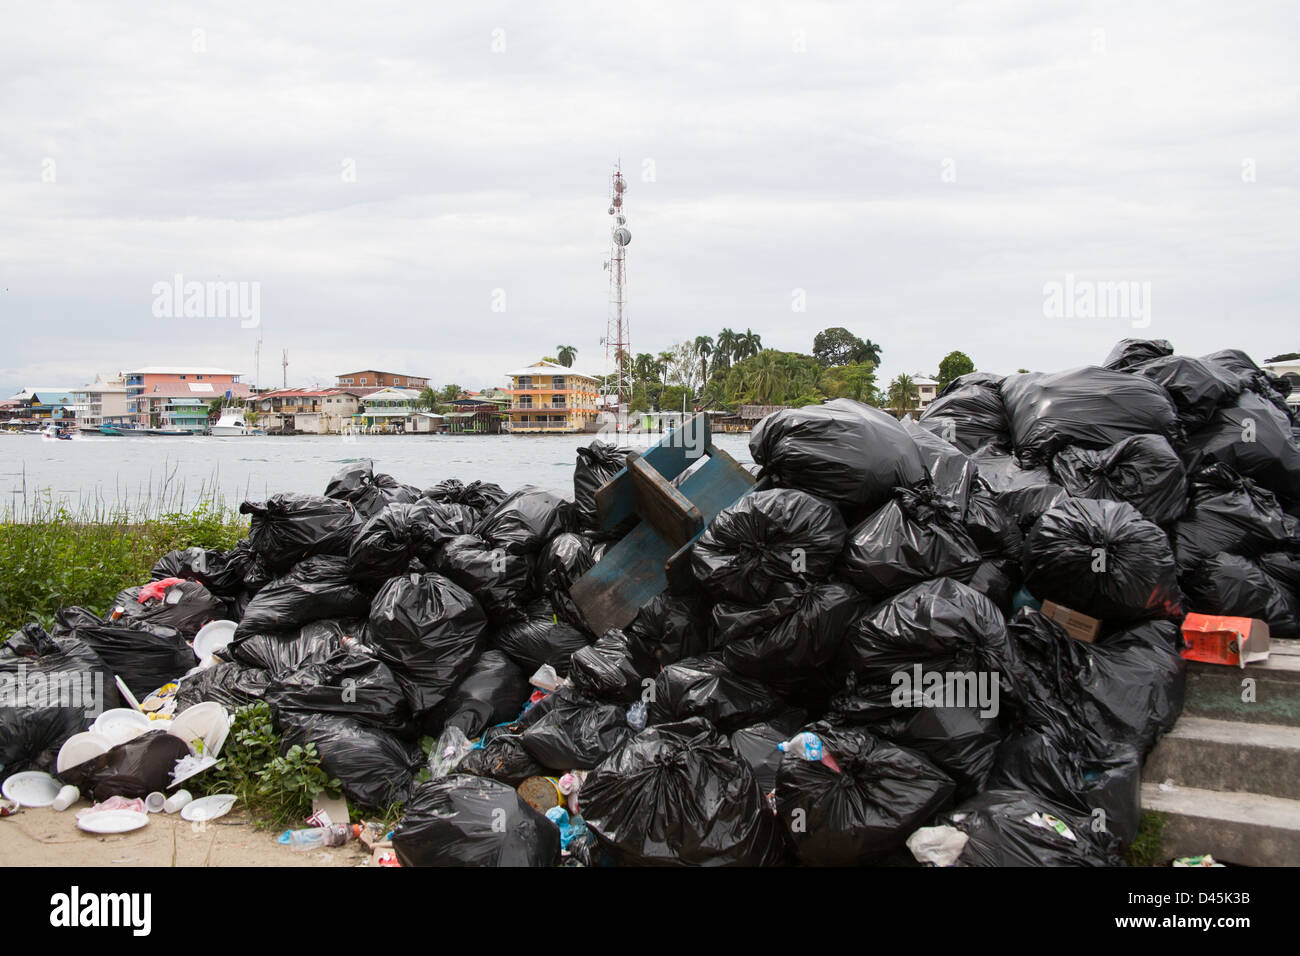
167	432
55	433
232	423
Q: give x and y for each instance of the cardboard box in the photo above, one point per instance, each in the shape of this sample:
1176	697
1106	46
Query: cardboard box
1081	627
1231	641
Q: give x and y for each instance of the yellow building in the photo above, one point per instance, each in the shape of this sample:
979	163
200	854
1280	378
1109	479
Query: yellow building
549	398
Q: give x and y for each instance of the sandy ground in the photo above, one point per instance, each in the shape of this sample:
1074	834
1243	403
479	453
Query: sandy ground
42	837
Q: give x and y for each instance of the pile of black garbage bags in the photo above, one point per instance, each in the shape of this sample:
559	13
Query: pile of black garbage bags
857	669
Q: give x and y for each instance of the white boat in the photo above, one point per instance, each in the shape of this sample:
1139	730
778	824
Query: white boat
231	423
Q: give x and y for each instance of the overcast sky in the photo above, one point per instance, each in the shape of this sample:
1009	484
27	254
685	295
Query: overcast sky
920	171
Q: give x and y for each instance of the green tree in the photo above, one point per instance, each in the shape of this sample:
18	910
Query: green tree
748	344
1284	357
903	394
954	365
856	381
565	354
871	352
724	350
703	346
839	346
449	393
428	398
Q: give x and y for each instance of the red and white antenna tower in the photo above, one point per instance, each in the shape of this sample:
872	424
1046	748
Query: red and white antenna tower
618	337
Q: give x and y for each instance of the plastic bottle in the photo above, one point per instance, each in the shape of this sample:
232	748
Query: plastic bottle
805	745
313	837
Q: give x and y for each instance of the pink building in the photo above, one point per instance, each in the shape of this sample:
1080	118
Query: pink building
178	396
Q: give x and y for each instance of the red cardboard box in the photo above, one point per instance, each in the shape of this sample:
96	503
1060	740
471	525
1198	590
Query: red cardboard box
1233	641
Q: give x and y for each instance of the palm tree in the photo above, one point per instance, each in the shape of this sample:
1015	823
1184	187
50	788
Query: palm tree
428	398
704	348
871	352
748	343
662	364
903	394
643	367
725	349
565	354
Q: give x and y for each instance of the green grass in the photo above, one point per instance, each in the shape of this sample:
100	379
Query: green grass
52	556
1148	847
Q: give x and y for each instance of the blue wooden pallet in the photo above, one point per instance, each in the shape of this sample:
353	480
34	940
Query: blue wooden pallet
656	552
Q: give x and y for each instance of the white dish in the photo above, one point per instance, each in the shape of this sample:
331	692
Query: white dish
121	724
213	637
81	747
199	721
31	788
208	808
112	821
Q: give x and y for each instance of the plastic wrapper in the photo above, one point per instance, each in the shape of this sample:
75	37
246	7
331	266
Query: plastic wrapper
494	690
1102	558
464	820
1226	512
1130	353
843	451
133	769
1253	439
1091	407
1143	471
1016	828
597	464
576	733
144	655
915	537
352	682
525	521
539	637
865	806
430	632
791	642
375	768
969	413
34	726
766	540
1197	388
288	527
677	795
706	687
185	606
315	589
1241	587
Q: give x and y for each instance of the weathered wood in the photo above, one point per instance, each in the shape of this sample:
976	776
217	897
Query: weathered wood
658	502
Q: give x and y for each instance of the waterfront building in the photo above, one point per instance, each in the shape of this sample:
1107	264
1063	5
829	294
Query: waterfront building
373	377
169	396
547	397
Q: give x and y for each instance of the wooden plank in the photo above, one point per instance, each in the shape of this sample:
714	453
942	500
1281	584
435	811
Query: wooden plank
662	505
629	576
673	454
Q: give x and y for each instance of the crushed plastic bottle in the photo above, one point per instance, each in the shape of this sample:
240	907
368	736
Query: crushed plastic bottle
313	837
810	747
636	716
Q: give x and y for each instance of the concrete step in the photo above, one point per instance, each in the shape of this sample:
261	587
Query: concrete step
1228	755
1217	692
1244	828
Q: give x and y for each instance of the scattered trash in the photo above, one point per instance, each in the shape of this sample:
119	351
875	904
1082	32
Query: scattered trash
208	808
32	788
1203	860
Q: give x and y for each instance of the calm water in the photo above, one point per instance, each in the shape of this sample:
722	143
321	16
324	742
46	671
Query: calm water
135	471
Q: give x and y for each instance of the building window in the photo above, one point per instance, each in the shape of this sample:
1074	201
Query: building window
363	381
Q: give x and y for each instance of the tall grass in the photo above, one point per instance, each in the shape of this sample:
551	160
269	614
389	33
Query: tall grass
53	554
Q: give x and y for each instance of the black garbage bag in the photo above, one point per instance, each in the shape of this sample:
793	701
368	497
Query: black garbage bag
1130	353
288	527
960	741
1102	558
1091	407
576	732
494	690
375	767
133	769
1251	376
791	642
464	820
952	474
221	572
940	625
1226	512
969	413
185	606
482	496
144	655
396	491
864	807
758	744
386	543
1283	567
283	652
257	574
1241	587
766	540
352	682
430	632
54	689
610	670
1143	471
1252	439
1016	828
843	451
524	522
500	579
228	683
314	589
917	536
1198	388
706	687
678	795
1023	493
597	464
671	628
998	579
538	636
994	529
1078	770
1127	688
566	557
367	491
502	757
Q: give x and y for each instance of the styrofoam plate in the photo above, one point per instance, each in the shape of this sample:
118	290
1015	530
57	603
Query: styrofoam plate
208	808
112	821
31	788
81	747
